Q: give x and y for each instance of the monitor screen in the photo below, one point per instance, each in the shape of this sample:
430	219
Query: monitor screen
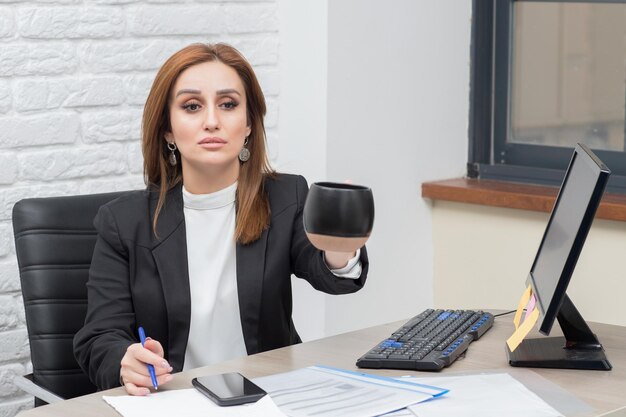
566	231
562	242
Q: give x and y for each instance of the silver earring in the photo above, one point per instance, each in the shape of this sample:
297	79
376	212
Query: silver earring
172	158
244	153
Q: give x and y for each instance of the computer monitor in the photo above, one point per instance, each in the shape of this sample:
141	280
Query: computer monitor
563	240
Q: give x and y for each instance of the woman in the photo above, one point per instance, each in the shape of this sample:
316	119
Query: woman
203	258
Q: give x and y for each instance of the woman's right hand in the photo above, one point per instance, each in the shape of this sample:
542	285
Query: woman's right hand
134	373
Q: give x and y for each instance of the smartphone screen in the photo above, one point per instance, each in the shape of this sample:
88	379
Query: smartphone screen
228	389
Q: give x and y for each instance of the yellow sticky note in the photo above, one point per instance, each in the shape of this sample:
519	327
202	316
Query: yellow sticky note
520	307
521	332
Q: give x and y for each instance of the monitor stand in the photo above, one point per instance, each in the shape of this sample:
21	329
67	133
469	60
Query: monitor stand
579	348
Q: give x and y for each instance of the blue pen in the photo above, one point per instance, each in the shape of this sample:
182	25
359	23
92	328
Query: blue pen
142	337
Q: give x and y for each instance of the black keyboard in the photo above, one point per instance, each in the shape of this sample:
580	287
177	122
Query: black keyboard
429	341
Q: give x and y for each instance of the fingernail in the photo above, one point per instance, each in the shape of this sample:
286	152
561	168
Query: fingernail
170	369
168	378
148	338
165	365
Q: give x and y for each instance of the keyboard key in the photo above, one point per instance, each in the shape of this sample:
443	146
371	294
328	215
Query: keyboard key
375	356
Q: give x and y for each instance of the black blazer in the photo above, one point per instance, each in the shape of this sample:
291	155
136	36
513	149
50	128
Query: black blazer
137	279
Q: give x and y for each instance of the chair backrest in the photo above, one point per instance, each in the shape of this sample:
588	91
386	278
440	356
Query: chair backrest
54	241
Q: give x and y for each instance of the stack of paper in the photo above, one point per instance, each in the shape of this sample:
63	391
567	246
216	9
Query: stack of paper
317	390
327	392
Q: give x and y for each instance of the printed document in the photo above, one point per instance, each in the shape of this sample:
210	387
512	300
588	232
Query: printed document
327	392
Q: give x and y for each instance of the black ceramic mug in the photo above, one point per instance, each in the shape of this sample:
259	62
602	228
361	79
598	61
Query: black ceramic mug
338	217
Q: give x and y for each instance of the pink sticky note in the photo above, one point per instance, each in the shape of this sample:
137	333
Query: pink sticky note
530	306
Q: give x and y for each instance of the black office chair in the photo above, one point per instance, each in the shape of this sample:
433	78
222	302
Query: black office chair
54	241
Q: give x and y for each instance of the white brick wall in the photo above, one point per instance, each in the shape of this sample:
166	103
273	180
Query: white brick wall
74	75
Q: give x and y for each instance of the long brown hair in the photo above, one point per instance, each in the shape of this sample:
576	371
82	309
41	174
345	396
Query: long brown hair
253	210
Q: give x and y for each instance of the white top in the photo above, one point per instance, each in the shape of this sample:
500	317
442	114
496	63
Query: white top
215	333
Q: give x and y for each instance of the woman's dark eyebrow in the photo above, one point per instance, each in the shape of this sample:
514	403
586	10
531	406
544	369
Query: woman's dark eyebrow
188	91
223	92
227	91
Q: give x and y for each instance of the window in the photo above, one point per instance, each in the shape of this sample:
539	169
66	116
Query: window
546	75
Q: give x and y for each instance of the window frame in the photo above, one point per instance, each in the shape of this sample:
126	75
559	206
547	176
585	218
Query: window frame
490	156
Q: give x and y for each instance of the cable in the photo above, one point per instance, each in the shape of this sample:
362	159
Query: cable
504	314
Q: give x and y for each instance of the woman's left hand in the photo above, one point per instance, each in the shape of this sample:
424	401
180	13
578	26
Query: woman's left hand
337	260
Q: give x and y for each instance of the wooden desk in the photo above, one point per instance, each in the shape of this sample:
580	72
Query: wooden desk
603	390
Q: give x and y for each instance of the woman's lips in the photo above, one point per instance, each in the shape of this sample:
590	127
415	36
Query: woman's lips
212	140
212	143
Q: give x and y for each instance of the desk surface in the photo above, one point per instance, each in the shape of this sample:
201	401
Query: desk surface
603	390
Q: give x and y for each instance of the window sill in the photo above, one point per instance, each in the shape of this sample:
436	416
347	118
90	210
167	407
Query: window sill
513	195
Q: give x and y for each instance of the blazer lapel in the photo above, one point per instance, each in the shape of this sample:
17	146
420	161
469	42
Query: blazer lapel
170	257
250	273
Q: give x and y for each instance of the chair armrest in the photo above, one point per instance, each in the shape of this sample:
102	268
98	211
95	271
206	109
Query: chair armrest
26	383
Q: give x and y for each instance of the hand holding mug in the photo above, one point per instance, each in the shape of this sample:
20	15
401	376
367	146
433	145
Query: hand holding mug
338	217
